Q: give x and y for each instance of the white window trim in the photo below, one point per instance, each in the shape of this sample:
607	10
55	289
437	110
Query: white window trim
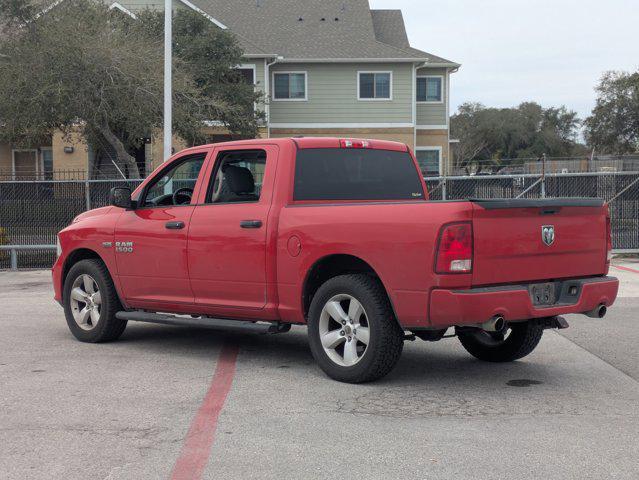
289	72
432	102
439	151
389	99
38	160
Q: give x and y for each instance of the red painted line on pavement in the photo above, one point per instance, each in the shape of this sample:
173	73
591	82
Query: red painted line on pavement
628	269
199	440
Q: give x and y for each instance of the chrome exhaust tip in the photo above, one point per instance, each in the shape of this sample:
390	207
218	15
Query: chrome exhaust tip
495	324
598	312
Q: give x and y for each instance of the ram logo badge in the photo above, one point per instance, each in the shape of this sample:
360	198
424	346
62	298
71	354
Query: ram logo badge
124	247
548	234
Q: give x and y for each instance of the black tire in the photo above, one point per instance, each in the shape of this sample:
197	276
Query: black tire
386	339
107	327
522	340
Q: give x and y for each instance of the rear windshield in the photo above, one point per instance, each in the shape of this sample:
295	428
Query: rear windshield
355	174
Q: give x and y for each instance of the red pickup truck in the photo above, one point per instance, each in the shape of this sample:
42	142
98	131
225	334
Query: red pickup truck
340	235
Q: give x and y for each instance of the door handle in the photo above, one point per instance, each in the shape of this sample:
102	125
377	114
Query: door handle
174	225
251	223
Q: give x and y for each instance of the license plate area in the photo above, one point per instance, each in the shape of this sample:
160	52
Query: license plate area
543	294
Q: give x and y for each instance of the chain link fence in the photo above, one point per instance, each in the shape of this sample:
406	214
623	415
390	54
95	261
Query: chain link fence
32	212
547	165
619	189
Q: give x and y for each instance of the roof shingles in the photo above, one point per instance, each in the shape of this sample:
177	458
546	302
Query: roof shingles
312	30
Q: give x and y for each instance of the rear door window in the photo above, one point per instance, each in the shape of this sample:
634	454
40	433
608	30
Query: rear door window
355	174
237	177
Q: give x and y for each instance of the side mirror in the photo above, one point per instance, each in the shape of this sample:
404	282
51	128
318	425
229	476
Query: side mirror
121	197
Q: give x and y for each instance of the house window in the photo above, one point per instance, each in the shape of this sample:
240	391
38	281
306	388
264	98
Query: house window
430	89
25	164
247	74
375	86
289	86
46	153
429	160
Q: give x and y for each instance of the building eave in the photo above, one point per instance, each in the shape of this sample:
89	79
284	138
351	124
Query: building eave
363	60
261	55
443	65
123	9
202	12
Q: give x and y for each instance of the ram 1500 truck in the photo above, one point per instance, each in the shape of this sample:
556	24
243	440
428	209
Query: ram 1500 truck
340	235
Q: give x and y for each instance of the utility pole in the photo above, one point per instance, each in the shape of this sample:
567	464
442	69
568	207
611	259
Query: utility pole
168	78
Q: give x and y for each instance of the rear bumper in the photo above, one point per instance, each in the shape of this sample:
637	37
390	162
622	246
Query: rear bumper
513	302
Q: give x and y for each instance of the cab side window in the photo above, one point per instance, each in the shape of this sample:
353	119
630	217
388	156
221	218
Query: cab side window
237	177
175	186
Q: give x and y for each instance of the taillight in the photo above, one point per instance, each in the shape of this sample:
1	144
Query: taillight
608	239
455	249
353	143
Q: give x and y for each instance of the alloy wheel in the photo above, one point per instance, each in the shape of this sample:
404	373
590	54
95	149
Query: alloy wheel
86	302
344	330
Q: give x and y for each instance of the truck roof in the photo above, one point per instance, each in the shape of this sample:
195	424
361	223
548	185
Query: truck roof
312	142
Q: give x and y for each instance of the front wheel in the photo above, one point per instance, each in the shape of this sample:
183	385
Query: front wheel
514	342
353	334
91	302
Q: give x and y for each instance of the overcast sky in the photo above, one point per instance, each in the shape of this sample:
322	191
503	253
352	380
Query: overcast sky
552	52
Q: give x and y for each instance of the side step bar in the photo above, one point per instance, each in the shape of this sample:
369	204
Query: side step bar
204	322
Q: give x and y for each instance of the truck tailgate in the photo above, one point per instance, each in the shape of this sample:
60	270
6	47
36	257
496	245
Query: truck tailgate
511	245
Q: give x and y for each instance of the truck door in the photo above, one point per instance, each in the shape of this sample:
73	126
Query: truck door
227	237
150	241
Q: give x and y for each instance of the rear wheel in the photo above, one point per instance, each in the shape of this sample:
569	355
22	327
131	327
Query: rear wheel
91	302
515	341
353	334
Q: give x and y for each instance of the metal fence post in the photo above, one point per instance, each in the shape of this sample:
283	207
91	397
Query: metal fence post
444	188
87	192
14	259
543	176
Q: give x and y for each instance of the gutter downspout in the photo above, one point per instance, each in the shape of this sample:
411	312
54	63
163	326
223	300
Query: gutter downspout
416	66
448	72
267	92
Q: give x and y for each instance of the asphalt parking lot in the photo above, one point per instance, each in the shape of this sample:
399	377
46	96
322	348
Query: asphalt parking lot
170	402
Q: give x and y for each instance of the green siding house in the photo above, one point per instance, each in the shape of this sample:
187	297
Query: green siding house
335	67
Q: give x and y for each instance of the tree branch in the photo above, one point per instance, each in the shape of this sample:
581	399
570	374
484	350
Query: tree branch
124	159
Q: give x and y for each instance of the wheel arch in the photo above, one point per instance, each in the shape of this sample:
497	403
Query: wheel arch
334	265
84	253
76	256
